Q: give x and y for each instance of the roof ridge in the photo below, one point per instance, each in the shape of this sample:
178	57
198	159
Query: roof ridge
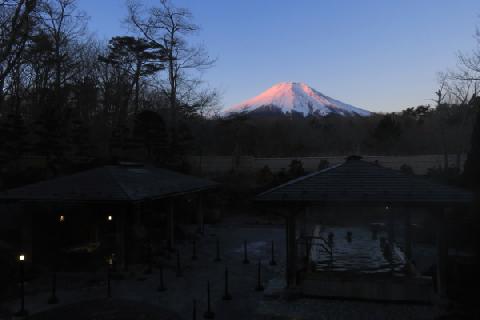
305	177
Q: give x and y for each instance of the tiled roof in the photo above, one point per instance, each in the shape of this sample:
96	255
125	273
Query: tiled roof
111	183
360	182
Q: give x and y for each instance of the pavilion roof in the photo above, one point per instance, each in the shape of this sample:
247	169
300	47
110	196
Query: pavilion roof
358	182
111	183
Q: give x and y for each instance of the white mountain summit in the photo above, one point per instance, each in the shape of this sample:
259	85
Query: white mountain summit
294	97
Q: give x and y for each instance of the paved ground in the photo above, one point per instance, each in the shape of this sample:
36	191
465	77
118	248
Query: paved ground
86	292
107	309
180	292
322	309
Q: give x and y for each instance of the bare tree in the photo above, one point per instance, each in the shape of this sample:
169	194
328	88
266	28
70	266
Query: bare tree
169	26
469	63
15	26
64	25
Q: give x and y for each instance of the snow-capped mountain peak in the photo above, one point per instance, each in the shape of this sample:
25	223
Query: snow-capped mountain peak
296	97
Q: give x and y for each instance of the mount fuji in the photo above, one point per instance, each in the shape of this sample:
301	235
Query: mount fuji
295	98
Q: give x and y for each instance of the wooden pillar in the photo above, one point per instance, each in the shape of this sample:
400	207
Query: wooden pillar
171	225
200	218
291	270
303	228
27	233
408	235
391	229
120	237
307	238
442	255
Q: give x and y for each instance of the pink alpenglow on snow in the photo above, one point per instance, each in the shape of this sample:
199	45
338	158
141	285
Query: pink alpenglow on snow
295	97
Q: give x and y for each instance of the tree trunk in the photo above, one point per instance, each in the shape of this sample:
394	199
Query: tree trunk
137	86
173	100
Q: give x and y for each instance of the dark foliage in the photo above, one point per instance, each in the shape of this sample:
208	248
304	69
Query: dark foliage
472	165
324	164
405	168
295	169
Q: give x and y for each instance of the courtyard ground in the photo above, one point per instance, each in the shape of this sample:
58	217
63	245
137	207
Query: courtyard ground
136	296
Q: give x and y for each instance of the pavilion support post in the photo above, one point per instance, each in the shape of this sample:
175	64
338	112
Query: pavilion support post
27	229
408	236
391	236
171	225
307	239
391	231
200	217
303	228
442	255
291	270
120	239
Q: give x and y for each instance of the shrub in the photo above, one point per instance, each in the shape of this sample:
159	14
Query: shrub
405	168
264	176
295	169
324	164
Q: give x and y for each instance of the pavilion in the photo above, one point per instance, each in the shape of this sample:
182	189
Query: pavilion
360	184
114	198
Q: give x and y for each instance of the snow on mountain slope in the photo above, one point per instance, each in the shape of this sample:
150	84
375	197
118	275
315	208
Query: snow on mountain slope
294	97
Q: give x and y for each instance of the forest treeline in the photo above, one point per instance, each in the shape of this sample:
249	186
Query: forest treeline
66	96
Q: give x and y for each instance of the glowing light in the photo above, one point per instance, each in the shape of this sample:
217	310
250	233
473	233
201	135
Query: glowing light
110	259
21	257
109	218
62	218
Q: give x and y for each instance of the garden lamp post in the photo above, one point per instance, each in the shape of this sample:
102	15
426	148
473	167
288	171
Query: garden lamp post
53	298
109	276
22	312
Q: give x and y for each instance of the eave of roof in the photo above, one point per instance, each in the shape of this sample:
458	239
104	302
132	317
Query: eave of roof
357	182
111	184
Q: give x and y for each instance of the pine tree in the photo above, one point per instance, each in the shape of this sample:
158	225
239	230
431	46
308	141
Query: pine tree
13	139
151	134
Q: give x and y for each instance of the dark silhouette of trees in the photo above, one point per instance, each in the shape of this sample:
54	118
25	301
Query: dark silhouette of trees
387	132
169	27
265	176
295	169
405	168
136	58
151	133
13	140
324	164
16	24
472	165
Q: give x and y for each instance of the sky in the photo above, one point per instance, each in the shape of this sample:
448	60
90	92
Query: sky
381	55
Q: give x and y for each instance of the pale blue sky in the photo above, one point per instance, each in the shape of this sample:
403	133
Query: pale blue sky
379	55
